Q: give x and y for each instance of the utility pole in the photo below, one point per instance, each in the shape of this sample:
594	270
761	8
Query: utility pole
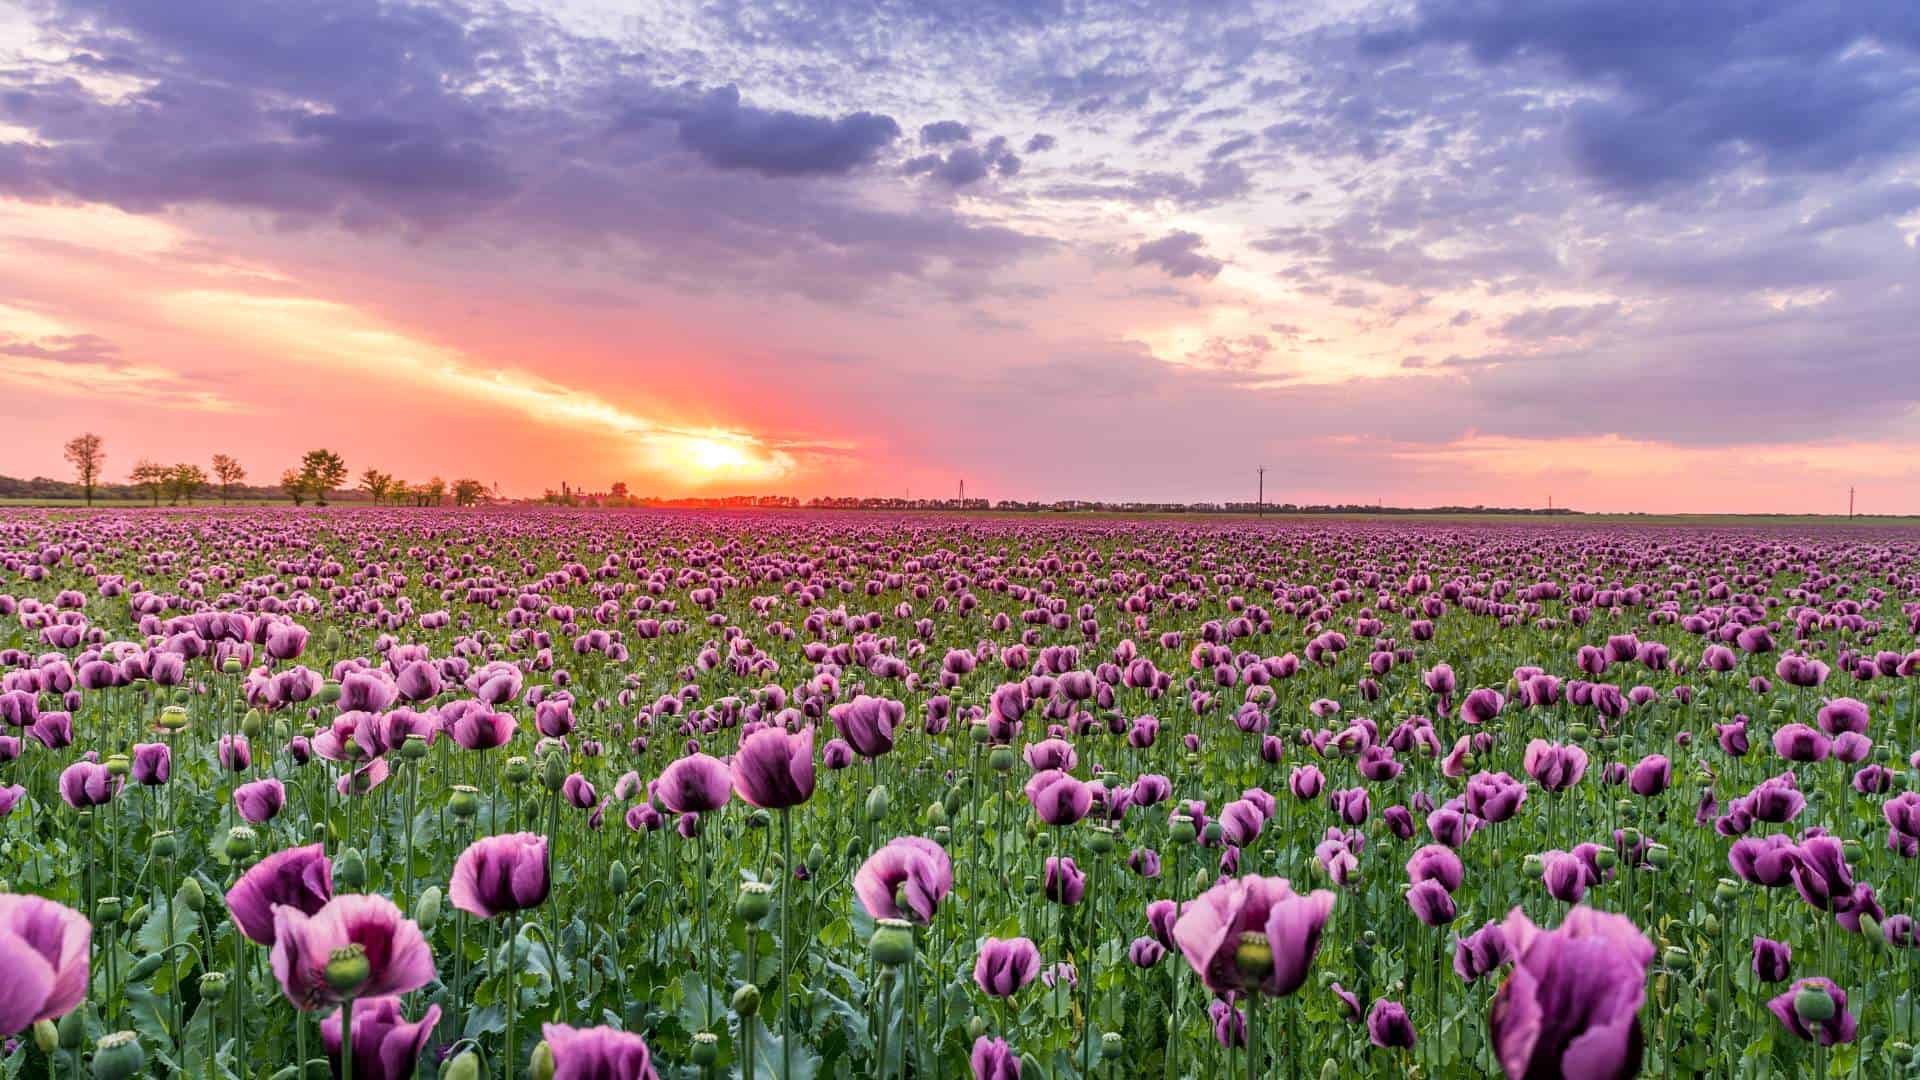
1849	503
1260	507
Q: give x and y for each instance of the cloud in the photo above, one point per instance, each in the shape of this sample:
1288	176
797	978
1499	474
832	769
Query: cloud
1687	92
1178	253
729	135
74	349
945	131
1566	320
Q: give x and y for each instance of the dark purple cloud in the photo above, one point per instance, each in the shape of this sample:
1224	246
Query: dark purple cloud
1179	254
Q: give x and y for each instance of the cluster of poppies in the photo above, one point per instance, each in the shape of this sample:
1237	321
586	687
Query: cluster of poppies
572	794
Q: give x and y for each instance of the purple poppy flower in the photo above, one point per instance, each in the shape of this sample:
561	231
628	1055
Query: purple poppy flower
44	948
499	875
301	878
1210	931
914	864
1838	1025
1005	966
598	1053
397	959
1571	1006
385	1046
695	784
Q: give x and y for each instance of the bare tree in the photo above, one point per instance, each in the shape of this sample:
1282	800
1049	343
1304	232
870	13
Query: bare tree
150	475
229	472
87	454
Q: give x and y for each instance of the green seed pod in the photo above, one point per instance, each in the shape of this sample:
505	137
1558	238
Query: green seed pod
706	1050
1676	959
348	968
1854	850
1605	858
231	666
213	986
892	943
118	765
415	747
464	801
329	692
878	803
1101	840
426	908
1253	957
942	835
753	902
1112	1046
1659	856
1813	1005
241	842
1531	865
540	1066
1726	890
746	1000
118	1056
107	910
351	869
1001	759
1182	829
979	731
952	801
517	770
172	718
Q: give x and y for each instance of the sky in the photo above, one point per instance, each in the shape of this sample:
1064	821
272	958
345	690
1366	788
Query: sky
1640	255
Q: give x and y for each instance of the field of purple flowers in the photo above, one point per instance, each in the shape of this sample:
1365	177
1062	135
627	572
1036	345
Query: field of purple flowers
382	794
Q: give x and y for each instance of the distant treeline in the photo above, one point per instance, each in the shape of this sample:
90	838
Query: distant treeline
41	487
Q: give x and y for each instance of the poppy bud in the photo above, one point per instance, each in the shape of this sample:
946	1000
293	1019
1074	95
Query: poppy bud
253	724
426	909
878	802
118	1056
192	895
464	1067
553	772
952	801
617	876
351	869
541	1066
937	814
72	1028
144	968
746	1000
46	1038
976	1026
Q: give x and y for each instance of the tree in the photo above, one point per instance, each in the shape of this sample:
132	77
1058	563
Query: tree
184	480
377	484
150	475
434	493
398	491
229	472
467	492
618	490
87	454
295	483
322	471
